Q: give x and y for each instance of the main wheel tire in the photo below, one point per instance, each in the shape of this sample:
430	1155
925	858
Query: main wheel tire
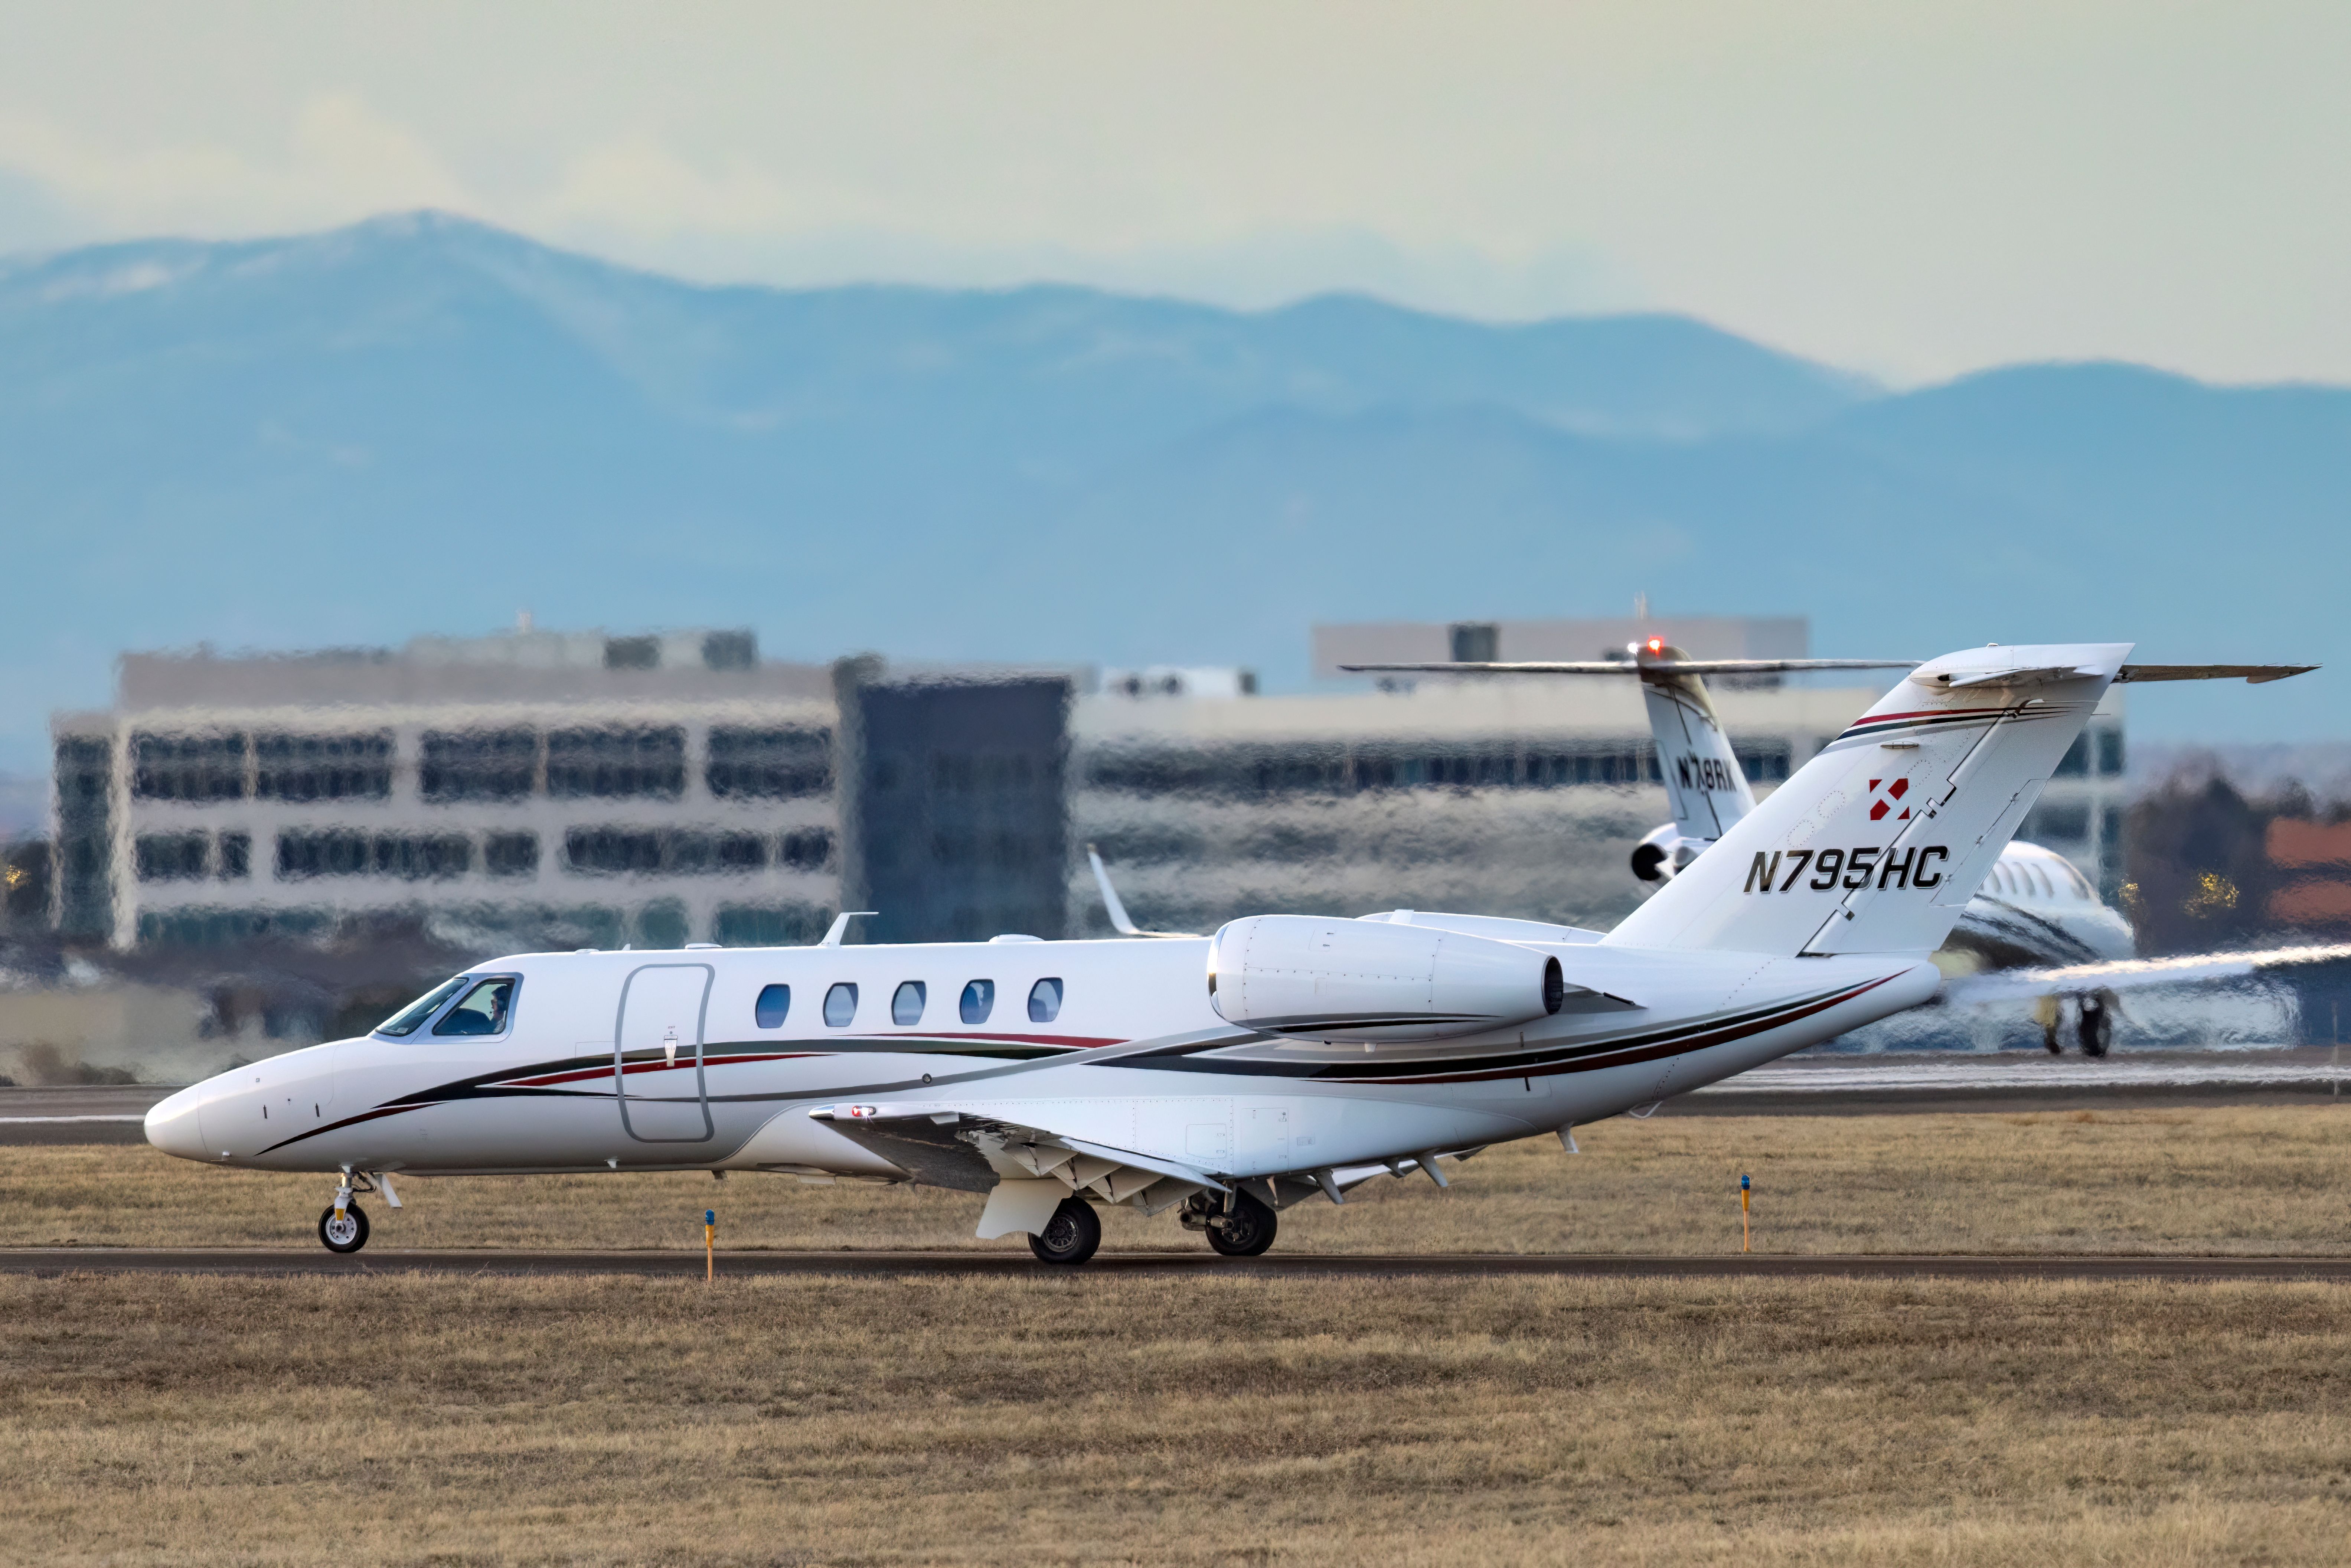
1246	1231
349	1236
2097	1029
1071	1235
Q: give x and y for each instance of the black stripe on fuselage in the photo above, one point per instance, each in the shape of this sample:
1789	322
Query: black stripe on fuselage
1541	1061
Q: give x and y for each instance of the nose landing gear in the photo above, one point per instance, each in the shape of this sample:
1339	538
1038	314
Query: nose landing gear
343	1227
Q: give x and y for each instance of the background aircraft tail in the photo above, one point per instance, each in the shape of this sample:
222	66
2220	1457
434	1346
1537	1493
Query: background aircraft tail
1877	843
1703	779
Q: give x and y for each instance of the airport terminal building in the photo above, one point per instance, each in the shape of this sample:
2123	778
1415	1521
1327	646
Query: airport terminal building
541	789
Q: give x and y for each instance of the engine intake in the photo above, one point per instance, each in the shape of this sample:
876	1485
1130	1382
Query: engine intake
1348	980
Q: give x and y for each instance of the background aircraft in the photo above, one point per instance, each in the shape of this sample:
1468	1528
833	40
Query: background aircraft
2034	910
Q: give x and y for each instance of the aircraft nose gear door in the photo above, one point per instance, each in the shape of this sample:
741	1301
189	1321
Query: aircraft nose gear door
657	1069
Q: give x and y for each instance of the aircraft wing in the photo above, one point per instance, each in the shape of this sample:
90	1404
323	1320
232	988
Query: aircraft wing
972	1150
2134	974
1025	1169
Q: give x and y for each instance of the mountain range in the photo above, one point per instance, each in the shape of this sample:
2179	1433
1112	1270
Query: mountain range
424	425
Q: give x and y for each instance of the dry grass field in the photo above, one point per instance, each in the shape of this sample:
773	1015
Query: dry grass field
1102	1418
2238	1180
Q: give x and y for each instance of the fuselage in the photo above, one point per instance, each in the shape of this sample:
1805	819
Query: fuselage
2036	909
672	1059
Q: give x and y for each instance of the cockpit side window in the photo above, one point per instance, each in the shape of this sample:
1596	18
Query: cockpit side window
410	1018
487	1009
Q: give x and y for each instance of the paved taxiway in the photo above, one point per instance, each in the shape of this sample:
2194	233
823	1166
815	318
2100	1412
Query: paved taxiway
1809	1086
55	1261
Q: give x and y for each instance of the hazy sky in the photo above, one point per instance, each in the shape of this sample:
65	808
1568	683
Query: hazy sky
1907	188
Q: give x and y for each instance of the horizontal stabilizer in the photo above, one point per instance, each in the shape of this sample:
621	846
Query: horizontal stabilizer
1642	666
2252	674
2134	974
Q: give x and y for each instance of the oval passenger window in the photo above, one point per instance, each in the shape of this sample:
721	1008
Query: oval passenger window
841	1005
906	1006
978	1001
773	1006
1045	1001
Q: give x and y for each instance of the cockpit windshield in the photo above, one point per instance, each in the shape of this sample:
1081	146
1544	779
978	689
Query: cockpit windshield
410	1018
485	1010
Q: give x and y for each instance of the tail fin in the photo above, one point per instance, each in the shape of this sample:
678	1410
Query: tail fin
1877	843
1703	778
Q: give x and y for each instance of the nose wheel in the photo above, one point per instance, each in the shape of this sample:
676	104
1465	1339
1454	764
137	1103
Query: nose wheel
344	1228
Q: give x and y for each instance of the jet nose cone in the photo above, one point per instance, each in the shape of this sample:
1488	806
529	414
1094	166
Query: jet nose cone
172	1125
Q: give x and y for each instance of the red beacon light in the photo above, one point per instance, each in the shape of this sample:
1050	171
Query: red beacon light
1655	645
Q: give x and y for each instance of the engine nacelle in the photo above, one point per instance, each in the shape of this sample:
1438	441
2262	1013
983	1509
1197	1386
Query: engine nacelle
1348	980
1664	852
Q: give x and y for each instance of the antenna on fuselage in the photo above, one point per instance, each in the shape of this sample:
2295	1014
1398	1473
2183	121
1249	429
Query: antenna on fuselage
1114	907
831	938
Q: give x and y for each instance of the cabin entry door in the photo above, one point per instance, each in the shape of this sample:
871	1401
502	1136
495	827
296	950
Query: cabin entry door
657	1070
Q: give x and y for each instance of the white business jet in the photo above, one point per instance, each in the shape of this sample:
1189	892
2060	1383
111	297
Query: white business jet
2034	908
1223	1077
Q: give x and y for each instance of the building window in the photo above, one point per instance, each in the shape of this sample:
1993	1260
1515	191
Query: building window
808	849
978	1001
323	766
342	852
676	852
773	1006
2076	763
1045	1001
2110	753
188	766
511	855
169	857
478	765
906	1003
612	852
841	1005
768	764
767	925
235	861
616	763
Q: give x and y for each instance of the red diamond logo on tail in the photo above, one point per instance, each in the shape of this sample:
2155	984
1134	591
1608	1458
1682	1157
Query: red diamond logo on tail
1886	797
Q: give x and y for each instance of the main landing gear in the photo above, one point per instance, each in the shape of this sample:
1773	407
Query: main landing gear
1071	1235
1242	1227
343	1227
2093	1028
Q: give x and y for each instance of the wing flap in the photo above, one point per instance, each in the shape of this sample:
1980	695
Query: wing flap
972	1149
